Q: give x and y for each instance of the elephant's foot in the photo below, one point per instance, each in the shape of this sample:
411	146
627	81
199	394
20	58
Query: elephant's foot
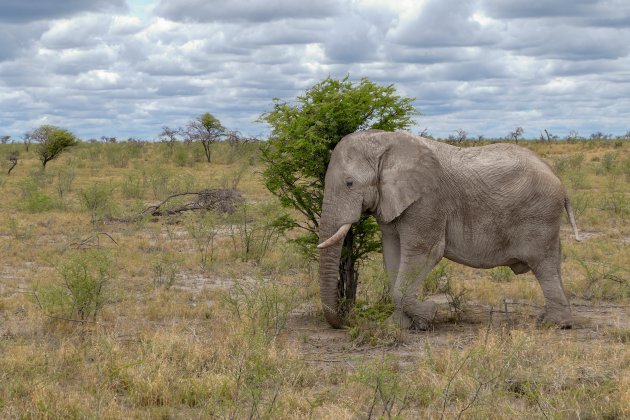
416	315
421	313
399	319
558	318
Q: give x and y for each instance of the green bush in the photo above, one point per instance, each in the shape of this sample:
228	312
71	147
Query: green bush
165	269
440	272
34	200
263	306
133	186
570	169
65	178
98	200
608	161
255	230
117	155
202	229
181	156
82	288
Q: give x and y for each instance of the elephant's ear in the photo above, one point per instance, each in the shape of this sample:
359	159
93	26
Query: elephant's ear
408	169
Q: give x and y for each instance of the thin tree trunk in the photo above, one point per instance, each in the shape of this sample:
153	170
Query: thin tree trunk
14	164
206	149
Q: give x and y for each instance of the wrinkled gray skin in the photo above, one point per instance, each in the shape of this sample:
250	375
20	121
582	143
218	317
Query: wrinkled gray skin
496	205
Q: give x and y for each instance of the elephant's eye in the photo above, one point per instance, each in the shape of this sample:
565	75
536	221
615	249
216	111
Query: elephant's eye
349	183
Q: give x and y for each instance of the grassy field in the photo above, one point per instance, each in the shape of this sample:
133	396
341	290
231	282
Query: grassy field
103	314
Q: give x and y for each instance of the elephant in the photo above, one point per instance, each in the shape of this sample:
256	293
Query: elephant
487	206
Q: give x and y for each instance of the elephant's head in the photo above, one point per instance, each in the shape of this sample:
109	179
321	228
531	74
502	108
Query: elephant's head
380	173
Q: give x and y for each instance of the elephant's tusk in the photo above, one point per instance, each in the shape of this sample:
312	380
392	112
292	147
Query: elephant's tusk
341	233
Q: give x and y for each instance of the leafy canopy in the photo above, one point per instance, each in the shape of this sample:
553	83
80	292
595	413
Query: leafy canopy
305	131
52	141
207	129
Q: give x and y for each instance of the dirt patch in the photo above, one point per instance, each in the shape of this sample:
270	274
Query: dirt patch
331	349
196	282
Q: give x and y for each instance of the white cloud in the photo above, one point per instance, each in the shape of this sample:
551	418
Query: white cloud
485	66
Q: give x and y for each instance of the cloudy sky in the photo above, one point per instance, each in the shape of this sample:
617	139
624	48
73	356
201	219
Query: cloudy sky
128	67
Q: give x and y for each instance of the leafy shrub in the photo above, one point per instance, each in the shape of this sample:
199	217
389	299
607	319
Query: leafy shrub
581	202
570	169
34	200
608	162
616	203
440	272
262	306
254	230
133	186
82	290
97	199
569	163
65	178
625	168
117	155
165	270
181	156
202	229
604	281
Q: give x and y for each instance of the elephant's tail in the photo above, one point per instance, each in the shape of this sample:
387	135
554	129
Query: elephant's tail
569	209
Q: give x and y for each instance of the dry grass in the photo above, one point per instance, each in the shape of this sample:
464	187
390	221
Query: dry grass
241	335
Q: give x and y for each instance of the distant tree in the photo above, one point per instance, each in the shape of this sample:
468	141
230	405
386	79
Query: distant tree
170	135
425	133
598	135
206	129
296	156
27	138
547	136
4	139
480	138
52	141
13	158
459	136
106	139
516	134
573	135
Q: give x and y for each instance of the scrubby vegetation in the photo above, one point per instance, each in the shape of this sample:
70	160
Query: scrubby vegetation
215	314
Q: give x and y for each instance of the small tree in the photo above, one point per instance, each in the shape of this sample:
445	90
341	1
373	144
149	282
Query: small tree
170	135
298	151
207	129
516	134
4	139
573	135
52	141
27	138
13	158
459	136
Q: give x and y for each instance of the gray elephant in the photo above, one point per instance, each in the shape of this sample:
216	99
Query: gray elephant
496	205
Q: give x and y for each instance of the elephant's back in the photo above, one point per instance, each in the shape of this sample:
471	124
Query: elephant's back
506	177
510	162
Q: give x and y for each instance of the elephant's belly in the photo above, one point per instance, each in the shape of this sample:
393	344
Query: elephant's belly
481	249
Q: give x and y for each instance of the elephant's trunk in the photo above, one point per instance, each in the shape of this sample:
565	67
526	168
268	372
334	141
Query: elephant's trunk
329	258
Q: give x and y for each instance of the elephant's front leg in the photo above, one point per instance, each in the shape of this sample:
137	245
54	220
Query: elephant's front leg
416	261
391	257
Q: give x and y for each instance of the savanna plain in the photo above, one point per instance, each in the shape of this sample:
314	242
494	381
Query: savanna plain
108	311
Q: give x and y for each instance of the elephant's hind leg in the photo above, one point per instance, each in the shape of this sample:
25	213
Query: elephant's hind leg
557	308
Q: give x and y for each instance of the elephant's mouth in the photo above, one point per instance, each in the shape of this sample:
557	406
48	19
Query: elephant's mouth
337	237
